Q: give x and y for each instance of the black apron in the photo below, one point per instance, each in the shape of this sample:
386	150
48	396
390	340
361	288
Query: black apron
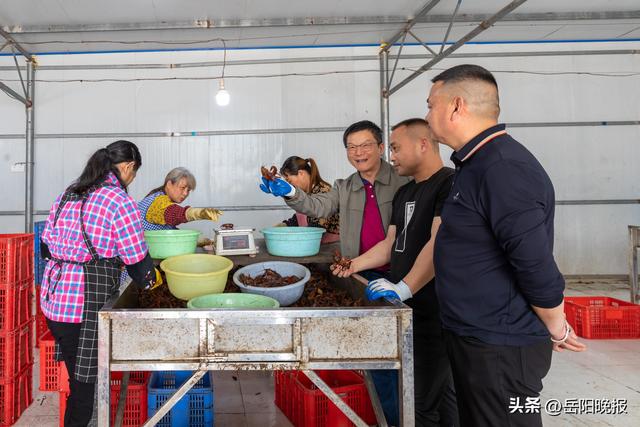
101	282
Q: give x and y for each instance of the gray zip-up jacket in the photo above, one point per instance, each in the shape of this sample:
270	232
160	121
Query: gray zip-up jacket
347	197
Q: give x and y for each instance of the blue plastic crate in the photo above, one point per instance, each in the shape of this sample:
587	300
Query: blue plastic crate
38	264
195	409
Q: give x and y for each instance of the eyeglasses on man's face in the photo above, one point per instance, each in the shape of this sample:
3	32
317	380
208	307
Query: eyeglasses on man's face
367	146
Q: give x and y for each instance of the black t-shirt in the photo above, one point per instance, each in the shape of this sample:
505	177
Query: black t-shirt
414	207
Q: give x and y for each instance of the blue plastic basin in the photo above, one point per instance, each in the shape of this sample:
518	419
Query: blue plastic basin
293	241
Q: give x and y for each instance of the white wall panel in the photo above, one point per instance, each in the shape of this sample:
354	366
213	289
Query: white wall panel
588	163
12	114
11	152
593	239
583	162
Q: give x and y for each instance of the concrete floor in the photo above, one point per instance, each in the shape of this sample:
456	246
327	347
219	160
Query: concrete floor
610	369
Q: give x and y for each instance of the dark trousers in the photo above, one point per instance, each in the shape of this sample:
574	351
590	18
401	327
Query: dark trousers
435	398
494	382
386	384
80	401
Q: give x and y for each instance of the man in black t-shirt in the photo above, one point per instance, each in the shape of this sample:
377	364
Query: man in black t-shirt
408	248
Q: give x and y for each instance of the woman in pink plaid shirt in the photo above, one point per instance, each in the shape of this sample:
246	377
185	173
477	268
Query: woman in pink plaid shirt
92	231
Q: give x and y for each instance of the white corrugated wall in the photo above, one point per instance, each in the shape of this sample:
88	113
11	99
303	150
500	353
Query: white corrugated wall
584	162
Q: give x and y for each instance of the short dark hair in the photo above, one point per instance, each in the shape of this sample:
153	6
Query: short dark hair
363	125
416	121
465	72
411	122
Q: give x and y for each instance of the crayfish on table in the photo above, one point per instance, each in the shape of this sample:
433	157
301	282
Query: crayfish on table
341	262
270	174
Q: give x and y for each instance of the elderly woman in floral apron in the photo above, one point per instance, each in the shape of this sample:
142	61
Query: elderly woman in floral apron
304	174
161	210
93	229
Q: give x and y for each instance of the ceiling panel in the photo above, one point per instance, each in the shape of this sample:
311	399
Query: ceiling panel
172	24
60	12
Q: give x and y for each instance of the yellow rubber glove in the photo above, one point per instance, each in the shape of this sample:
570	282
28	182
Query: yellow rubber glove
159	281
280	224
194	214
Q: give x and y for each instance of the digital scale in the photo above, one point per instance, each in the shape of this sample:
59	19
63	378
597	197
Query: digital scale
236	241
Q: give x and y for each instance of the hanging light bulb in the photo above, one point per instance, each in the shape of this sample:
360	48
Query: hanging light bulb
222	97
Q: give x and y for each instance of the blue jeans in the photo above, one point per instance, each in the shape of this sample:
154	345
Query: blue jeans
386	383
385	380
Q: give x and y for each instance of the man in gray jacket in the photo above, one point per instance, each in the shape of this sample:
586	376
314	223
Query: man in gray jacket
363	199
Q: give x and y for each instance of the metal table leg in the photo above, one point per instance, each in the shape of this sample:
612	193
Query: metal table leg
122	400
634	242
405	374
375	400
104	376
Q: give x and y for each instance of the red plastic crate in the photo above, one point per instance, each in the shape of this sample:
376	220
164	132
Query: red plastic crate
15	396
49	367
135	409
15	304
16	350
63	395
282	380
63	378
306	406
597	317
16	257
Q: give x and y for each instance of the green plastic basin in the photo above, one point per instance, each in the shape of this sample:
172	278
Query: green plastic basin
193	275
232	300
167	243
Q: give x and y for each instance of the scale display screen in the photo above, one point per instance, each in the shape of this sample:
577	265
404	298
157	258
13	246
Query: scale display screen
235	242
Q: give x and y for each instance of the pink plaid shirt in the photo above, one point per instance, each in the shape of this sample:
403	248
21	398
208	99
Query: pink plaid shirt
112	222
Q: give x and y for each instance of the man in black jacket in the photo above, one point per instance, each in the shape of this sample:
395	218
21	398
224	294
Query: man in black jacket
500	291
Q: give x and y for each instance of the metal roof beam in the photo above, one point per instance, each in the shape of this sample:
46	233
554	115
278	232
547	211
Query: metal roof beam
207	24
453	18
314	21
480	28
15	44
420	14
12	93
425	45
207	64
543	16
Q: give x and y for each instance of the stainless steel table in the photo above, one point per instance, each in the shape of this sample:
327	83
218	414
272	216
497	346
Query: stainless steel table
132	339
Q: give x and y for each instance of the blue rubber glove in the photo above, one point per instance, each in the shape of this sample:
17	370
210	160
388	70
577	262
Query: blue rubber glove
265	185
382	288
281	188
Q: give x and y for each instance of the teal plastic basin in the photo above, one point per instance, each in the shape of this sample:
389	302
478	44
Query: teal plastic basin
232	300
293	241
167	243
